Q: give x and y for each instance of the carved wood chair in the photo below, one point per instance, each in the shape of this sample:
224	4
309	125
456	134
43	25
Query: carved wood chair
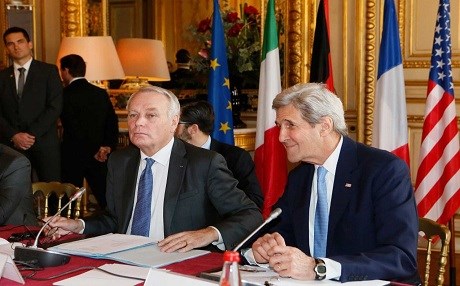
64	191
434	231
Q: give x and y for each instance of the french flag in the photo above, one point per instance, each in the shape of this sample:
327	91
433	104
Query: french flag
390	116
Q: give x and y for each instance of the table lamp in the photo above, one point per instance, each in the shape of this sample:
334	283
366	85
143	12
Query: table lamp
143	60
99	54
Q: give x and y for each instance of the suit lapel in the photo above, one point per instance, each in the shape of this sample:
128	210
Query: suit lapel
33	70
12	84
130	184
343	184
176	173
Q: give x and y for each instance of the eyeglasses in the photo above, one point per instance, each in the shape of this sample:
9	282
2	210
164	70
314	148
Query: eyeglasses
185	122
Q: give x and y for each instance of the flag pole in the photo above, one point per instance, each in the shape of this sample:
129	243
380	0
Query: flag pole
452	270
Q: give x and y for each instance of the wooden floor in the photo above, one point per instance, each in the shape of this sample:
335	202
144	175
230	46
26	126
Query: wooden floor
434	260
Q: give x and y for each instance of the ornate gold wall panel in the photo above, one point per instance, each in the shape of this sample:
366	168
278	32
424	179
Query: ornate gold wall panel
370	70
83	18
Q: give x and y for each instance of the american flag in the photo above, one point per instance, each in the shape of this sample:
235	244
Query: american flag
437	187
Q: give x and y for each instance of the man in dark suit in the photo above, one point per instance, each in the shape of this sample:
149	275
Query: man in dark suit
90	129
29	111
16	199
195	126
370	225
191	200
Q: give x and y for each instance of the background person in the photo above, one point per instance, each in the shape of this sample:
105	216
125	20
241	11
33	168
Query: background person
370	229
195	126
90	129
189	196
28	119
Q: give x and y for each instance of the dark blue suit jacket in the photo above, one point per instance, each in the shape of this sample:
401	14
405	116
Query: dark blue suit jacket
373	222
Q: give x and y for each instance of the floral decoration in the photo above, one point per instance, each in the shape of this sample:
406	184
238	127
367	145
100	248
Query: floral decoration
242	35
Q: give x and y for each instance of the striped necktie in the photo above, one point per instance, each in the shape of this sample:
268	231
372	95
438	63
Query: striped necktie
321	214
143	209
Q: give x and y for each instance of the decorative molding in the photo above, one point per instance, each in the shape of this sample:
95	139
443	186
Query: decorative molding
83	18
370	69
294	42
71	18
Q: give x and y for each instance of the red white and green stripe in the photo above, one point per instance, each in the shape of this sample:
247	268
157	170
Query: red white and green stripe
270	155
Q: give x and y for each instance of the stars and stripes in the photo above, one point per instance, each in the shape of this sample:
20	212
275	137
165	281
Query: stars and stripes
437	188
219	83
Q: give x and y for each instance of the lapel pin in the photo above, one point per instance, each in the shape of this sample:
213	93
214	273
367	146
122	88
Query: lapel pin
347	185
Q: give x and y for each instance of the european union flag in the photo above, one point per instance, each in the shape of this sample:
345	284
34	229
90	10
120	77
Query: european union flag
219	83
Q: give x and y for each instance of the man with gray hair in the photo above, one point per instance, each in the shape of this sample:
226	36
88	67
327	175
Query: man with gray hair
348	209
178	194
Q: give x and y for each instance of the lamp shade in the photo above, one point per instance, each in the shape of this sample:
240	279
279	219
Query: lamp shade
143	58
99	54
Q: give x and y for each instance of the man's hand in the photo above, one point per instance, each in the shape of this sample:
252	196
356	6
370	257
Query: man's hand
291	262
23	140
60	226
188	240
261	247
102	154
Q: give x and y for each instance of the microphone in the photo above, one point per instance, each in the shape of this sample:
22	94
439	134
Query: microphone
39	256
274	214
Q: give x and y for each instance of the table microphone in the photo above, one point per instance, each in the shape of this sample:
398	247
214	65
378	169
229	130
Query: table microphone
38	256
274	214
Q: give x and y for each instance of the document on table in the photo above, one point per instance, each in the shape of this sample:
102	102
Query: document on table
151	256
100	246
98	278
130	249
254	275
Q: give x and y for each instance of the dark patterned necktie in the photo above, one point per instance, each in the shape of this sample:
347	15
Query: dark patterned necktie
142	211
21	81
321	217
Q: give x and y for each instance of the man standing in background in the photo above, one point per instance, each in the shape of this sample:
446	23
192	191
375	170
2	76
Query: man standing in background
30	105
90	129
195	126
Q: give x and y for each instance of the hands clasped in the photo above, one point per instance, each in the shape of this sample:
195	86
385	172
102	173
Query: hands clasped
285	260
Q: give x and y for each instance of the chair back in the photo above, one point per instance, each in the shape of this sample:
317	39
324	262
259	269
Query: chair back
432	232
63	192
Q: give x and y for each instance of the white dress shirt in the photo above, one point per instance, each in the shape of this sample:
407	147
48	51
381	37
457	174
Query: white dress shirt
160	176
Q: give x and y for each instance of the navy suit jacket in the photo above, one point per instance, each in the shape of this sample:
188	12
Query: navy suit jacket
373	222
200	192
239	161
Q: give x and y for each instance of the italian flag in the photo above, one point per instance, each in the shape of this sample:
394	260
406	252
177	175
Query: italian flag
270	155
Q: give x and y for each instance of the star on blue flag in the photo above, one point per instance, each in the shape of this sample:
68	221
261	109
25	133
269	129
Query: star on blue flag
219	84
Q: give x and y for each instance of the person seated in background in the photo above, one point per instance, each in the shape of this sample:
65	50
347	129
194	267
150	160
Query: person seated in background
195	126
90	129
348	210
16	198
183	77
161	187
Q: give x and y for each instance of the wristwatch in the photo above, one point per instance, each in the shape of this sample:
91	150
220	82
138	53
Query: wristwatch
320	269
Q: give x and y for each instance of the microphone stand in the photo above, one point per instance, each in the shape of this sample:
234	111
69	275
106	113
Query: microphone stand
39	256
274	214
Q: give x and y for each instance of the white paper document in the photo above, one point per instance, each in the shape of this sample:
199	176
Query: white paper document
151	256
98	278
254	275
160	277
130	249
100	246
